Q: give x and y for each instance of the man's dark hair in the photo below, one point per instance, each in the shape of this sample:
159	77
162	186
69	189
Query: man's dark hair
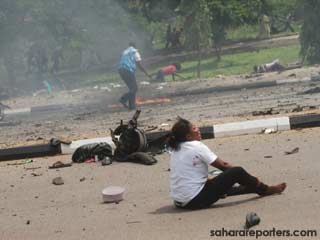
177	65
179	133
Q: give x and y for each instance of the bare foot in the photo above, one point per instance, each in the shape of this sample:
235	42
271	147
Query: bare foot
276	189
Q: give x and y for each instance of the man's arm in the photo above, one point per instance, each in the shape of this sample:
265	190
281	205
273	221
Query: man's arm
182	77
143	69
220	164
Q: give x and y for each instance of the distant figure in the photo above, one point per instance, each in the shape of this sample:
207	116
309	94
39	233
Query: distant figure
288	22
176	35
168	70
56	58
274	66
127	68
2	108
264	27
42	59
32	58
89	58
168	36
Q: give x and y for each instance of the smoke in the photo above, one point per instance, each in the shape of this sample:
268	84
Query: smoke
90	33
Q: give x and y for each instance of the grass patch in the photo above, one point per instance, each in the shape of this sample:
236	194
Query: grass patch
241	63
243	32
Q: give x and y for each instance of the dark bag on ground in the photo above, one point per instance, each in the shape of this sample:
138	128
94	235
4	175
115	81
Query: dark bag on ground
88	151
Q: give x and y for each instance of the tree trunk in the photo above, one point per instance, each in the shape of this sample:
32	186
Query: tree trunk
218	52
199	64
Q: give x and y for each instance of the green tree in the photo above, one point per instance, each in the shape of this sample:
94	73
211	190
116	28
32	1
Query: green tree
198	33
310	36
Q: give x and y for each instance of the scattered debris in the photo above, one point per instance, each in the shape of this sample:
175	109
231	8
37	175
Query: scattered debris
252	219
36	174
131	222
310	91
20	163
269	130
297	109
40	92
60	164
141	101
292	75
293	151
114	85
31	168
144	83
57	181
105	89
151	128
264	112
106	161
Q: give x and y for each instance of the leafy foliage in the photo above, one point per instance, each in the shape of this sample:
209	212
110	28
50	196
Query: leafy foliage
310	36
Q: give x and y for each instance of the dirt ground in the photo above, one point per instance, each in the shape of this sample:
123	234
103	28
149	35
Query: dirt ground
31	207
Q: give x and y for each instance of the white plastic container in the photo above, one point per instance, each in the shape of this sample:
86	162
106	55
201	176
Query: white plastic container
112	194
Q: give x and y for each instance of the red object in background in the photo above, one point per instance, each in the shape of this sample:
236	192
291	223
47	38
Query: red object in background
140	101
171	69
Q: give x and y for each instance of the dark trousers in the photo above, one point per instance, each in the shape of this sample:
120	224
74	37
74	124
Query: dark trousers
160	76
222	185
130	80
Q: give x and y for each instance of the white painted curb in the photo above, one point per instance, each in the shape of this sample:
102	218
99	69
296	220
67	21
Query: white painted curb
69	149
17	111
251	127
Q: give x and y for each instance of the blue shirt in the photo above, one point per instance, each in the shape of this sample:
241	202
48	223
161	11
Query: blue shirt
129	58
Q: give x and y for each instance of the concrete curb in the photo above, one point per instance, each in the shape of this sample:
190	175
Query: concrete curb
255	85
38	109
207	132
253	126
19	111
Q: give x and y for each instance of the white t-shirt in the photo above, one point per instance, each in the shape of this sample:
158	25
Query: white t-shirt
189	170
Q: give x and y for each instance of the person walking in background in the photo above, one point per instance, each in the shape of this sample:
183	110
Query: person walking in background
190	158
264	27
168	36
127	68
56	58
